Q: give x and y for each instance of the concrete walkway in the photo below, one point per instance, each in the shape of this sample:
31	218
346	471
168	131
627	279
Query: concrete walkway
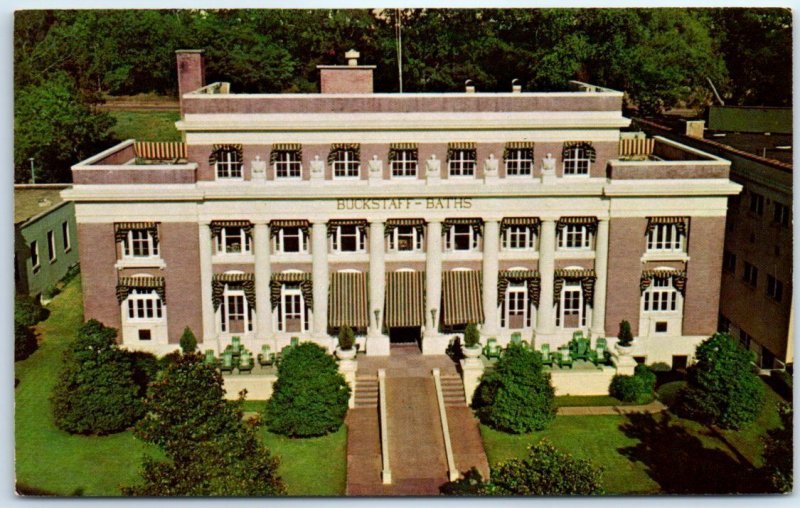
653	407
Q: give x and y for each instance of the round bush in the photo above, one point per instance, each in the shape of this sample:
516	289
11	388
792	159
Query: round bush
626	388
310	397
24	342
471	335
28	311
347	338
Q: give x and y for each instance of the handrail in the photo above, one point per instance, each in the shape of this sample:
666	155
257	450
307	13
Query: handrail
386	472
448	446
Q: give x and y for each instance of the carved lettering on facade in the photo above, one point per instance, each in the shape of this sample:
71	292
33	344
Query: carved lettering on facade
403	203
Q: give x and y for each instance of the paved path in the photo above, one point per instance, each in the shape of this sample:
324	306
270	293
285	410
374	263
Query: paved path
653	407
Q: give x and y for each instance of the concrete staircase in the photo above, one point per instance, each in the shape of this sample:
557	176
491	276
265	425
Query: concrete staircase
453	391
366	391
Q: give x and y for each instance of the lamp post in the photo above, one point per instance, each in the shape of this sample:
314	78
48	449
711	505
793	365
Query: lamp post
377	313
434	328
33	172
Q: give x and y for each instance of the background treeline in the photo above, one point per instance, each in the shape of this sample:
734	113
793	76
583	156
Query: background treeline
66	62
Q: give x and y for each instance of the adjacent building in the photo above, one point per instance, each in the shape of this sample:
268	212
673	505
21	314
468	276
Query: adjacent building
45	237
404	216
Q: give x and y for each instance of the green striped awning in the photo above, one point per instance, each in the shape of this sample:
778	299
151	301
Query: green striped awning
589	222
277	224
126	284
337	148
526	146
218	150
679	222
217	225
279	279
160	150
391	224
461	292
460	145
245	281
279	148
531	278
678	278
121	229
529	222
361	224
476	224
591	154
347	300
587	278
405	299
394	148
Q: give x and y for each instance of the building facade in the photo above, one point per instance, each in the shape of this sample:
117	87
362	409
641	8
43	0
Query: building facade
404	216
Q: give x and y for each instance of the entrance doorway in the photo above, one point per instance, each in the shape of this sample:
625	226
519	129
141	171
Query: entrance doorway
405	335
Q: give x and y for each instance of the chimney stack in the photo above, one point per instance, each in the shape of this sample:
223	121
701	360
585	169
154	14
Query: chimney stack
191	71
350	78
468	86
515	86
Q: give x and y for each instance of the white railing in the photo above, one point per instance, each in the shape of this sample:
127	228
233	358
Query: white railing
386	472
448	446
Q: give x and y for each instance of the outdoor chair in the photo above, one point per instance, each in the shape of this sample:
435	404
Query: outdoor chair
547	357
492	348
599	355
580	348
564	358
210	359
601	342
246	362
576	336
266	356
516	338
293	343
226	365
236	343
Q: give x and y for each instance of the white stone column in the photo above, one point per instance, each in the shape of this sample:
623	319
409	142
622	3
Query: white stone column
377	343
261	247
319	259
545	322
206	274
491	246
433	278
601	269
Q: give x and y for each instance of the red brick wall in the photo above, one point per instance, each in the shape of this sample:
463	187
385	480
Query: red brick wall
626	244
393	266
561	264
507	264
179	247
98	276
191	73
345	80
701	302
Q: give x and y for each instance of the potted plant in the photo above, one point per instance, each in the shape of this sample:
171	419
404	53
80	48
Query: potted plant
347	339
472	347
624	338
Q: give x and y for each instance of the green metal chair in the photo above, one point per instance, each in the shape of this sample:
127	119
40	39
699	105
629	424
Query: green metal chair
516	338
246	362
266	356
564	357
601	342
294	341
236	343
580	348
226	365
577	335
492	349
547	356
210	359
599	355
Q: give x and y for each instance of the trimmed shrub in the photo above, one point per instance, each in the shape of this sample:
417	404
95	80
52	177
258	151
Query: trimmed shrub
625	336
28	311
96	392
636	388
24	342
188	341
778	450
517	396
722	388
347	338
471	335
647	377
310	397
145	369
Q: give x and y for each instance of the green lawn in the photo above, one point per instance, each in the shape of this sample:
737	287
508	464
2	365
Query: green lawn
49	460
146	125
592	400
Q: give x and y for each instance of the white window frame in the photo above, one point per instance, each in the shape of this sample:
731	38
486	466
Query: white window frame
574	161
346	166
523	236
661	297
288	162
225	308
36	260
577	232
223	239
65	238
520	291
450	239
571	287
336	241
416	239
665	238
280	238
296	294
403	166
144	305
462	166
517	165
51	246
151	246
226	168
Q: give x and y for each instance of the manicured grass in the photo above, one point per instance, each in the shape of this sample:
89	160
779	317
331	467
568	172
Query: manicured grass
593	400
146	125
47	458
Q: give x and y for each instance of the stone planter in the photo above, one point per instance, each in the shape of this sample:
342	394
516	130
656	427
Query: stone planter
472	352
624	350
346	354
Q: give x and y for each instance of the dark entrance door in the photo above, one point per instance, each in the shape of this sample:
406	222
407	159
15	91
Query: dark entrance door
404	335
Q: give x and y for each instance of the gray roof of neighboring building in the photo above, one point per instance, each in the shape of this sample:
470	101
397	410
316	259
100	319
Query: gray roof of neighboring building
33	200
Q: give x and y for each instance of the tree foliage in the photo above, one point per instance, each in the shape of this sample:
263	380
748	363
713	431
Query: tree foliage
24	341
722	388
517	396
211	451
188	341
96	392
638	387
779	450
28	311
310	396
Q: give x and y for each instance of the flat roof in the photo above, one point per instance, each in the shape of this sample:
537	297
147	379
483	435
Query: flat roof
770	146
33	200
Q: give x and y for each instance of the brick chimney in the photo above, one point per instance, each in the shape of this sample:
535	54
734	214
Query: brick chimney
191	71
350	78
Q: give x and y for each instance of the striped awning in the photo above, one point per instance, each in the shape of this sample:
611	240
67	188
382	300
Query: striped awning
587	278
279	148
460	145
591	154
218	150
159	150
461	292
679	222
337	148
121	229
361	224
347	300
244	281
279	279
589	222
530	222
391	224
126	284
277	224
394	148
476	224
405	299
678	278
636	146
217	225
525	146
531	277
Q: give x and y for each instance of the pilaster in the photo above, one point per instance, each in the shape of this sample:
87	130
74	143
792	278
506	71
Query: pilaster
319	260
601	269
491	246
263	269
377	343
206	274
433	282
545	322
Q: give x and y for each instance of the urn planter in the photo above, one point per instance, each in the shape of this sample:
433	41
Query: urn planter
473	351
346	354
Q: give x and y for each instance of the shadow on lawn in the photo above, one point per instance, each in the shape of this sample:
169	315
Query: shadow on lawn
680	464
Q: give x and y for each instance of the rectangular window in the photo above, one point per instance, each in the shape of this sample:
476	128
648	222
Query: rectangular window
576	162
288	165
35	256
228	165
519	238
519	162
750	275
756	203
140	243
404	164
774	288
729	261
461	237
575	237
293	314
291	239
65	236
660	297
51	245
348	239
781	214
661	327
405	239
462	163
144	305
664	238
346	165
571	313
233	240
145	335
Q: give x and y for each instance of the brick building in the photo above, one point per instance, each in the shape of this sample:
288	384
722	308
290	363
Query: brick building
404	216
